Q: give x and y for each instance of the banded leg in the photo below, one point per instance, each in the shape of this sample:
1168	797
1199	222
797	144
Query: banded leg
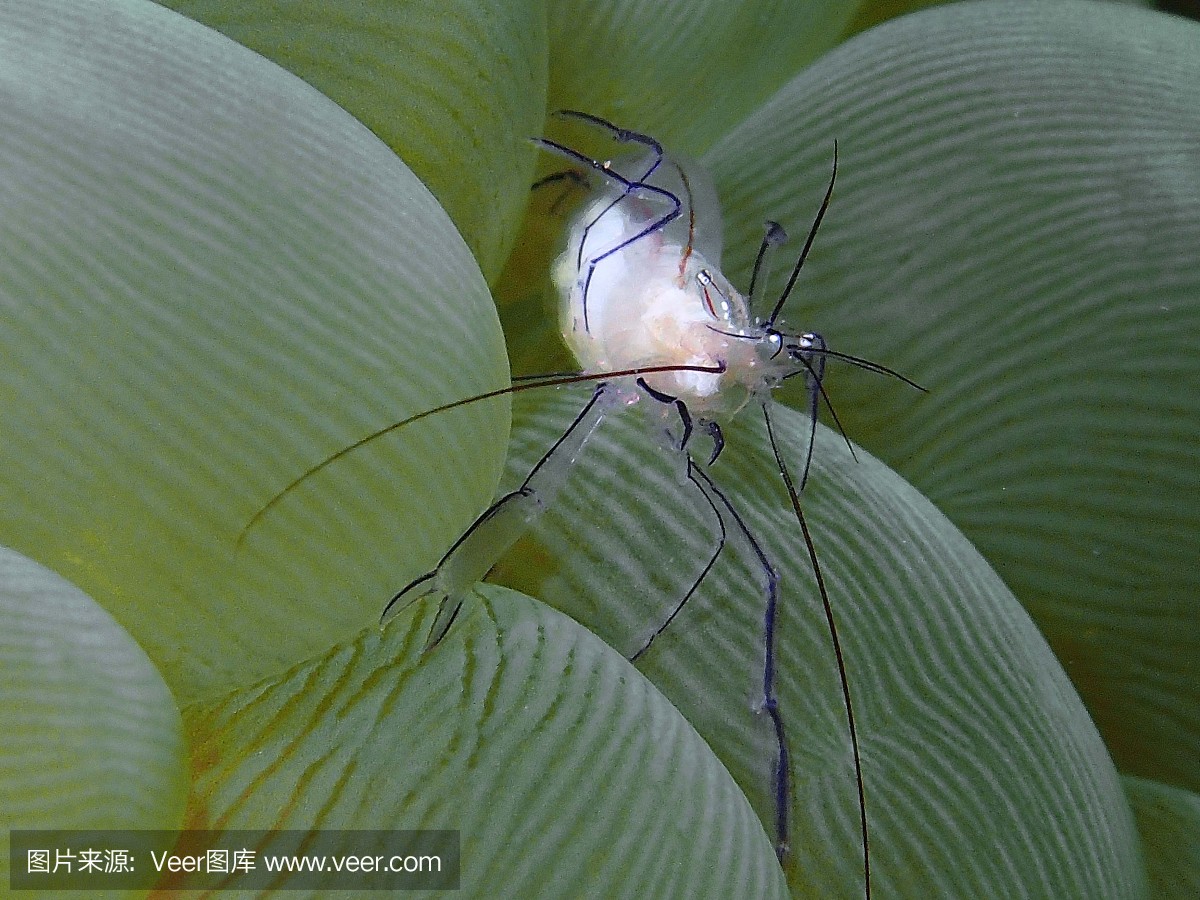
685	415
712	561
621	136
501	524
685	418
572	175
769	703
629	185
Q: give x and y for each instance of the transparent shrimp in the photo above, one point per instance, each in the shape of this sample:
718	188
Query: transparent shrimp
655	324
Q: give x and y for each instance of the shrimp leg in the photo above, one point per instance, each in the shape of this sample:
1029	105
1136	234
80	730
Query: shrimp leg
501	524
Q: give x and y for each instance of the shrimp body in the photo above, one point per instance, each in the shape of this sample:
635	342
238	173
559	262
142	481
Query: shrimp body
630	302
651	319
649	316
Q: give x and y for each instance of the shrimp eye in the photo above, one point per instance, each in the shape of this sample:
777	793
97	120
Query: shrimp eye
803	344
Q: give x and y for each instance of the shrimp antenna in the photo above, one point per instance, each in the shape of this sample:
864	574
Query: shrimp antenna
816	393
794	497
812	236
816	386
866	364
526	383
